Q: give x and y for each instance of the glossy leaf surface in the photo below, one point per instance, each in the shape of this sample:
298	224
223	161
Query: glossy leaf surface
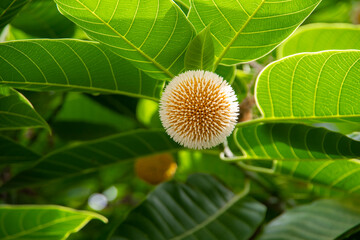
41	18
152	34
200	209
311	87
42	221
323	219
16	112
284	141
9	9
320	37
246	30
340	175
72	65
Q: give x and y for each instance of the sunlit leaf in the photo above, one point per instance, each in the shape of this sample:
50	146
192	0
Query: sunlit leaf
14	153
16	112
311	87
42	221
340	175
323	219
200	54
72	65
94	155
284	141
9	9
41	18
246	30
319	37
200	209
295	147
152	34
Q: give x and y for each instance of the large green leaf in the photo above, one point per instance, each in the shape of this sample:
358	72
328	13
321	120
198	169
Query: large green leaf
72	65
91	156
340	175
41	18
8	10
152	34
14	153
295	147
319	37
42	221
311	87
246	30
284	141
16	112
200	209
321	220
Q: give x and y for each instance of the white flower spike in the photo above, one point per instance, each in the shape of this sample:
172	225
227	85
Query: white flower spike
199	109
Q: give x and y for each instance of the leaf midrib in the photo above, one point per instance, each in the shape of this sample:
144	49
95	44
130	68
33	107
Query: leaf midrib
228	46
81	88
5	10
296	119
43	226
128	42
215	216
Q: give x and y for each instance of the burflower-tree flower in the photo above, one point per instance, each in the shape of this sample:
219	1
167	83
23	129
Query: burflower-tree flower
199	109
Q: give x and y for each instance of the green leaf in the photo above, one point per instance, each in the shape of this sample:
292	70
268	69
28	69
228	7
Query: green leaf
185	3
16	112
340	175
320	37
247	30
14	153
200	209
41	18
92	156
283	141
311	87
153	35
42	221
200	54
323	219
72	65
9	9
209	163
333	11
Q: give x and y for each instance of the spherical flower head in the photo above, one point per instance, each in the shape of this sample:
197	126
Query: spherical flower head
199	109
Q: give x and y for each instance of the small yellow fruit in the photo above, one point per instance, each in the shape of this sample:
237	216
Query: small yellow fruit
156	169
